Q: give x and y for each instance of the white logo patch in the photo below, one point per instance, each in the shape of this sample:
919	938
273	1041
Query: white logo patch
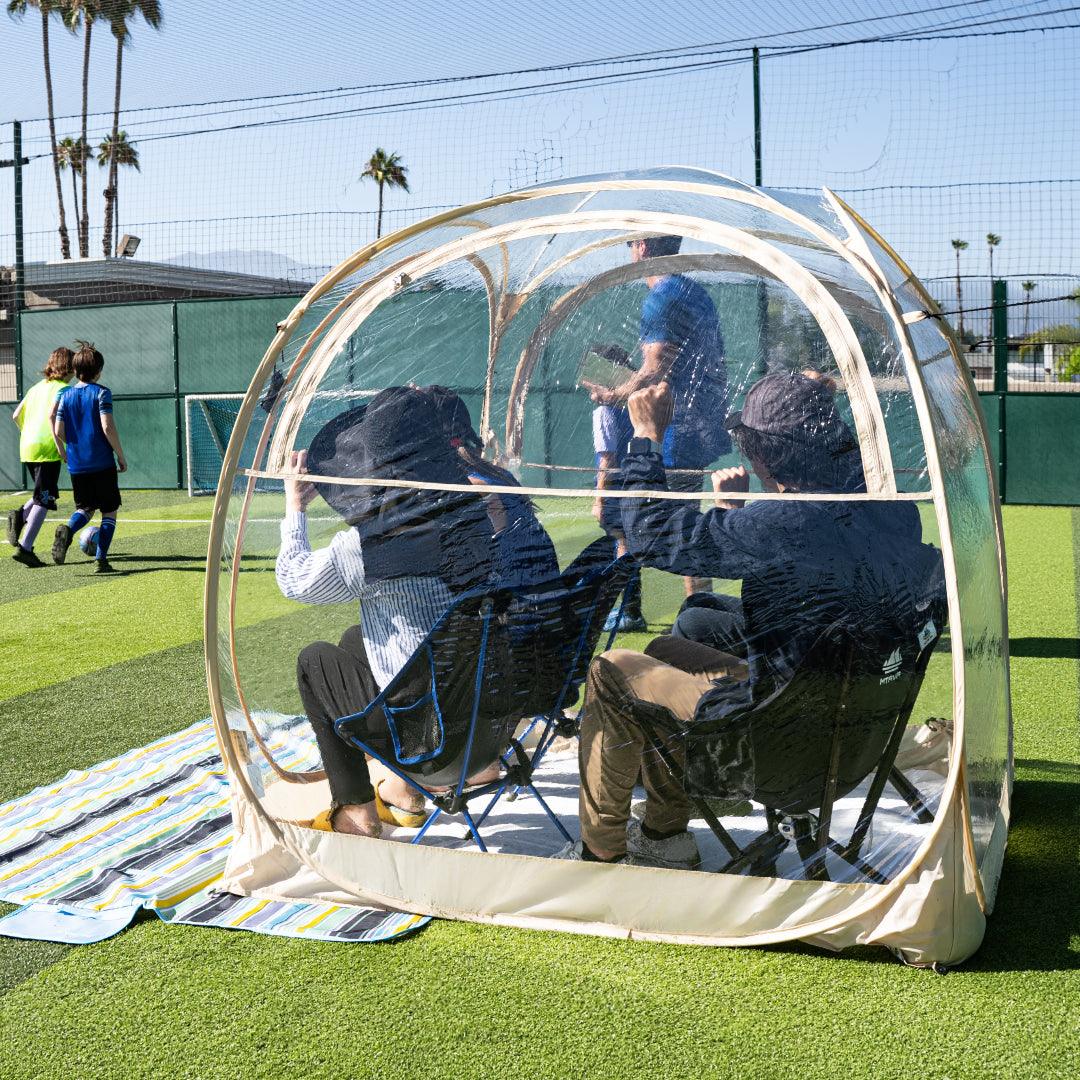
891	668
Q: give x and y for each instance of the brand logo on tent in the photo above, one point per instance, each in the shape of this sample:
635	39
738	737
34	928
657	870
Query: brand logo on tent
891	668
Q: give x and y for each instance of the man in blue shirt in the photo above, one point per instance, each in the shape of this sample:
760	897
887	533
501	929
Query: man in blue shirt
681	343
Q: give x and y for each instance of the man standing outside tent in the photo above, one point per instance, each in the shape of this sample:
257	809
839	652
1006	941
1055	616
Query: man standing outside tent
681	344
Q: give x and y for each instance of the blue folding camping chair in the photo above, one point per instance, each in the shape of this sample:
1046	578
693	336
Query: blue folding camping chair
494	658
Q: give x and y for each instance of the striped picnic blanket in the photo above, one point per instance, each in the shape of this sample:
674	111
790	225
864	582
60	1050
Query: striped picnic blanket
151	830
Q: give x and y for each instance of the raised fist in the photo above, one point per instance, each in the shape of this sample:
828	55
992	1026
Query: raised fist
729	480
650	411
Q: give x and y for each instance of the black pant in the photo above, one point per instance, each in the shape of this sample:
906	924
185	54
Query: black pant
46	476
713	619
335	681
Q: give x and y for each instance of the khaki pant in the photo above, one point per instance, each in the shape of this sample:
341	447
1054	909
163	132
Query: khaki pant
615	750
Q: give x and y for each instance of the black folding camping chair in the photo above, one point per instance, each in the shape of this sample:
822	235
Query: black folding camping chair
494	658
838	720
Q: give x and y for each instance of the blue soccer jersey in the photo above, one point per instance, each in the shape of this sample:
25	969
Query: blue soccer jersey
81	409
679	312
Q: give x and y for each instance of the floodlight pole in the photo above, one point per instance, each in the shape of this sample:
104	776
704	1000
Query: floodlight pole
757	116
999	321
762	292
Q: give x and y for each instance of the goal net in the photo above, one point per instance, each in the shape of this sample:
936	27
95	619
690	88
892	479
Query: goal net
208	425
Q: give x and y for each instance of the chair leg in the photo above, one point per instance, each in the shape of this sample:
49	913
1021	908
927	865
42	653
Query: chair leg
911	795
473	829
868	870
550	813
437	812
810	851
706	810
491	805
761	853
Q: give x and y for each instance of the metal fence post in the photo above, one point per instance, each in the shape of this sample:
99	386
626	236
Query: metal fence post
176	397
1000	333
762	291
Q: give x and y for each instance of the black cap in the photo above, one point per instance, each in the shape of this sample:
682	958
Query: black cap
793	407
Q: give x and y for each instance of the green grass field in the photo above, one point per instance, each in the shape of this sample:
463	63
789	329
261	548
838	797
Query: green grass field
94	667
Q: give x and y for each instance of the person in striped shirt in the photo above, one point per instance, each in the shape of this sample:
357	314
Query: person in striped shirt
405	554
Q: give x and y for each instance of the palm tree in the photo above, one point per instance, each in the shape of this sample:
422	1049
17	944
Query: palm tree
83	14
114	153
386	170
73	154
18	8
1028	287
958	246
120	13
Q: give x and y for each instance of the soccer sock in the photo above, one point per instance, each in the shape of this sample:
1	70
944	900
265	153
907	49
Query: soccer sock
27	505
104	537
77	521
35	518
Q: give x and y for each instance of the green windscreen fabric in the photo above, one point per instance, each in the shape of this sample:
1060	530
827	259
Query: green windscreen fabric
135	339
148	434
221	342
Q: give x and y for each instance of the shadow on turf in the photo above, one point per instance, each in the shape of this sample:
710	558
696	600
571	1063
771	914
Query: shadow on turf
1046	648
129	565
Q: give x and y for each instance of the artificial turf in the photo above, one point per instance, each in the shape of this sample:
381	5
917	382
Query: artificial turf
93	668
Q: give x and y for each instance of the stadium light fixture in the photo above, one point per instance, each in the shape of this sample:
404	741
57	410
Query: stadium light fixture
128	245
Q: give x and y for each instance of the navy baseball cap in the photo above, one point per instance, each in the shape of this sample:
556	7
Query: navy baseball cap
794	407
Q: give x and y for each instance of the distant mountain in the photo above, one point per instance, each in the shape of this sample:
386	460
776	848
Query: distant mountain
236	261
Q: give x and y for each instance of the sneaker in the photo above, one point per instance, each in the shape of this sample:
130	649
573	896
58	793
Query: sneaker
15	521
61	543
678	852
572	853
628	624
103	566
27	558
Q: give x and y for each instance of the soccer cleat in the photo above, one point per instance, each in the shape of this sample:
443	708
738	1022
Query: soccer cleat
103	566
678	852
61	543
27	558
15	521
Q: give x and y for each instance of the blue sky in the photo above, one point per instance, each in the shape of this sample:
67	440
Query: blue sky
883	121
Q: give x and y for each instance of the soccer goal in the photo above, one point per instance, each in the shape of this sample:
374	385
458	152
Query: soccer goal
208	425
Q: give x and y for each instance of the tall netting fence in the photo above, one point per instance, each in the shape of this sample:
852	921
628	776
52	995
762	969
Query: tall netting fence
946	127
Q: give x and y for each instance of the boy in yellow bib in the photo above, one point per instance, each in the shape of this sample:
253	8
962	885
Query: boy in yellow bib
39	454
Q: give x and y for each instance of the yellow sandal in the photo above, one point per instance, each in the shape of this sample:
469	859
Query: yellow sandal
396	815
324	822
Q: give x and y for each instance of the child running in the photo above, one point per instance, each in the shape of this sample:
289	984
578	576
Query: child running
87	437
39	454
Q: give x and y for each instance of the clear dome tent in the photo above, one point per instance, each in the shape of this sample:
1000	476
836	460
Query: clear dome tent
883	817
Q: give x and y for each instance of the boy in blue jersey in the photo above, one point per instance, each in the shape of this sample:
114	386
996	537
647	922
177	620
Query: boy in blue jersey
88	441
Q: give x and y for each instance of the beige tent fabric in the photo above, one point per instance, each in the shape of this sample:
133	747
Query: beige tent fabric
935	917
